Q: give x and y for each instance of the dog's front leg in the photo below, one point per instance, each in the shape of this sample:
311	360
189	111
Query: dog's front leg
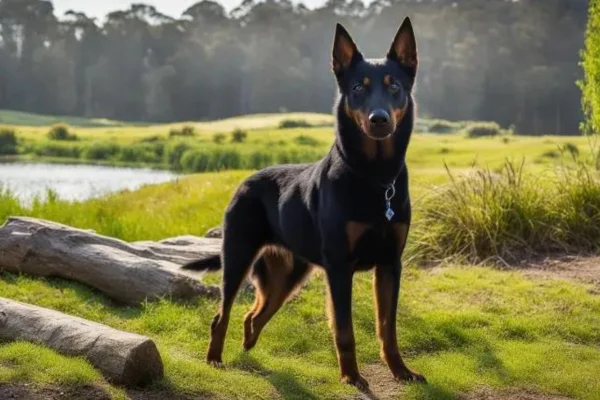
386	285
340	312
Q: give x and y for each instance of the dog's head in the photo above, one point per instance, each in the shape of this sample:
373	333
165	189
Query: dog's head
376	93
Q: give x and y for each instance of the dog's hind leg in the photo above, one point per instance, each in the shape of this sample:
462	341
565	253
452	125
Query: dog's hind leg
245	233
277	275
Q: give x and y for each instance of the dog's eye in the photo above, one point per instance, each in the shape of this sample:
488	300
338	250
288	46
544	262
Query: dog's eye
394	87
358	88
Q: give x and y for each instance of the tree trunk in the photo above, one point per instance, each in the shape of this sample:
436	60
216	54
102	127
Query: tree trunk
123	358
126	272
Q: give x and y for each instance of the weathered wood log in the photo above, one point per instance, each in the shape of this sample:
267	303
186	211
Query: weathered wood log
123	358
127	272
216	232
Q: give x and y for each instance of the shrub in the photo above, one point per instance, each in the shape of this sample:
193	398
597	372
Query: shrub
480	129
174	153
442	126
239	136
146	153
101	151
219	138
590	85
201	160
59	150
259	160
186	131
294	123
61	132
8	142
486	216
304	140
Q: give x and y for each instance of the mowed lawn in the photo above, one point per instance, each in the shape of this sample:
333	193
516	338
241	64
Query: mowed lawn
464	327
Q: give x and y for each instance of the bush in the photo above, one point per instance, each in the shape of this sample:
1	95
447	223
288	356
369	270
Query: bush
260	159
590	85
59	150
481	129
186	131
61	132
101	151
239	136
146	153
219	138
442	126
304	140
173	155
294	123
486	216
201	160
8	142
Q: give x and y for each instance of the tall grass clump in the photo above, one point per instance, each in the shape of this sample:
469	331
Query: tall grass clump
483	129
8	142
239	136
510	216
186	131
294	123
61	132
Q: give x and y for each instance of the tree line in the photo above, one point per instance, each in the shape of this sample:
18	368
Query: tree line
513	62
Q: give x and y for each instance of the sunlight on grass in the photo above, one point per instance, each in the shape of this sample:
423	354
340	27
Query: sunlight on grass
462	327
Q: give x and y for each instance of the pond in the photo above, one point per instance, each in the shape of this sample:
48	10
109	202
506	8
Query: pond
74	182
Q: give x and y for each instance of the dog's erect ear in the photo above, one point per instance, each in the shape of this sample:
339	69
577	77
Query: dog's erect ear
404	47
345	51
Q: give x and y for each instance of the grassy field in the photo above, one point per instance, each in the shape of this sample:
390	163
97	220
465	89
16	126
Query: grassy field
464	327
213	146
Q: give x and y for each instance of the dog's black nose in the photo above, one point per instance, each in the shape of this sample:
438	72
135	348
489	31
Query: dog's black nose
379	118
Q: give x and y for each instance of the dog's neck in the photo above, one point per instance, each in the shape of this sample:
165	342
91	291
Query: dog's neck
379	161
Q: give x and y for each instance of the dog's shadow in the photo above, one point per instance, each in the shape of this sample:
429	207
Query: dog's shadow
284	381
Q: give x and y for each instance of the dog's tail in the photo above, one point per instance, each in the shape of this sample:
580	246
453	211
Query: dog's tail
212	263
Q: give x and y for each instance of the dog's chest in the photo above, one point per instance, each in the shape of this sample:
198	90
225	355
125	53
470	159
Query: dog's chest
370	245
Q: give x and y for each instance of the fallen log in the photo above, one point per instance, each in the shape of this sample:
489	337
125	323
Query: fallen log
123	358
126	272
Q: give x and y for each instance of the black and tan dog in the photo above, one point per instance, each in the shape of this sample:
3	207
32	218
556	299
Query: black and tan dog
348	212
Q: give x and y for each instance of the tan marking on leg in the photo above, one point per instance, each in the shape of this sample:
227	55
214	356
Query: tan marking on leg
354	231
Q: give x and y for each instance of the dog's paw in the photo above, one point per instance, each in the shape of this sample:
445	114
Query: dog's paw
249	343
407	375
358	381
215	362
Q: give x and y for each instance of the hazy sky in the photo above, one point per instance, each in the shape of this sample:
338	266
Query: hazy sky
99	8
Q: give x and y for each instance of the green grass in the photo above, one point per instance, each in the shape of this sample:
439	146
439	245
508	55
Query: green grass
267	144
463	326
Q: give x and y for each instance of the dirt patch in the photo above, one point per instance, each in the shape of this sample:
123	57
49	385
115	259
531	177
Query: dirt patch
382	385
511	394
572	268
29	392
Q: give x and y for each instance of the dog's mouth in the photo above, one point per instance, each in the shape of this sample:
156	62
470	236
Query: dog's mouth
376	132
